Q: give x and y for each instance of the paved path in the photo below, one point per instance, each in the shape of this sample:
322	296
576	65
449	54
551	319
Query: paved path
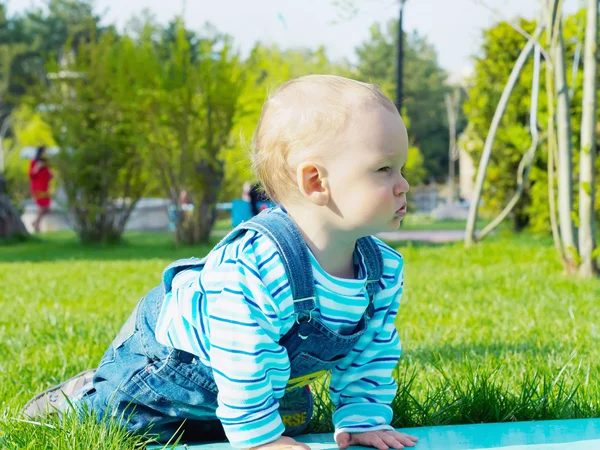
424	235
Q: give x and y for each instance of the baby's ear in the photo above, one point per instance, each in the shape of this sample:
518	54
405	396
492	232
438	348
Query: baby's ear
312	182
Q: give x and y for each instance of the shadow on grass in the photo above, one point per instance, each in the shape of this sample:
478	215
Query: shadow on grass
62	246
65	246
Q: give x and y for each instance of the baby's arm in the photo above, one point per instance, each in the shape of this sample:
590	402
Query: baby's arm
362	386
250	368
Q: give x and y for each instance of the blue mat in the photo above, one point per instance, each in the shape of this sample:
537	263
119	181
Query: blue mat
581	434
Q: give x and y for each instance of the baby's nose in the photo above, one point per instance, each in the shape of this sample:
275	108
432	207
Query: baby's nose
401	188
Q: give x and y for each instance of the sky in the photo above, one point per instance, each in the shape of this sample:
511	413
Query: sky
452	26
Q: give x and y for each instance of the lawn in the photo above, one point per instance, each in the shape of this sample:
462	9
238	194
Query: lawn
495	333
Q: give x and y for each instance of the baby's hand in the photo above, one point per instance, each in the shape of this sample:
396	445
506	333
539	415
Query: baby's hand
283	443
381	439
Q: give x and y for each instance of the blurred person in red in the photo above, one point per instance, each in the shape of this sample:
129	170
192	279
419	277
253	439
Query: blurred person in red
40	176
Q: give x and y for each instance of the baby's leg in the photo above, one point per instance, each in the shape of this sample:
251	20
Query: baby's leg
56	399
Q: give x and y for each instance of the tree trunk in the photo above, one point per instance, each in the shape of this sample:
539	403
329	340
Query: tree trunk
565	154
548	8
521	218
451	102
400	60
194	227
11	225
587	244
489	141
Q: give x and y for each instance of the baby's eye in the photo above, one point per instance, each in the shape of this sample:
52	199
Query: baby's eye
385	169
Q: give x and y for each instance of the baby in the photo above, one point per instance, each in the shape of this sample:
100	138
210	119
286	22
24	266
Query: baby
229	343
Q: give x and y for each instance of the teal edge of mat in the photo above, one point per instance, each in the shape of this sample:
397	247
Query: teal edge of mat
576	434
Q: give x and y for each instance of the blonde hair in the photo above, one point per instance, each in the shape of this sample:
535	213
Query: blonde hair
301	115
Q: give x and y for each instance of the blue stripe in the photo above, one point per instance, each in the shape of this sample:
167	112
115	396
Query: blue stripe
201	320
278	290
232	291
247	407
237	420
251	380
332	320
384	341
251	241
264	313
369	399
375	360
259	352
199	341
235	322
385	248
262	264
170	340
252	271
374	383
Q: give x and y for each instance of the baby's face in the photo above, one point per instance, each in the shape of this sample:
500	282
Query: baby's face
368	190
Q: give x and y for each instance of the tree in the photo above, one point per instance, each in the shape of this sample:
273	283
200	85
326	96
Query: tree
190	100
556	44
92	107
424	89
493	129
25	42
11	225
501	47
562	116
266	68
587	195
46	32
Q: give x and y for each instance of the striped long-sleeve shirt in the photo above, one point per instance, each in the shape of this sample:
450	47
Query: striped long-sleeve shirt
232	314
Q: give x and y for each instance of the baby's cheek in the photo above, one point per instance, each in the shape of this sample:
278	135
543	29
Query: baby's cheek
374	203
381	198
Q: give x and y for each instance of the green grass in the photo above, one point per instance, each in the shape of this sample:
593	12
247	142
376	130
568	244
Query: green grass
494	333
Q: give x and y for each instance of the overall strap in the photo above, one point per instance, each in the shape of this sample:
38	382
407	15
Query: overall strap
293	251
178	266
277	226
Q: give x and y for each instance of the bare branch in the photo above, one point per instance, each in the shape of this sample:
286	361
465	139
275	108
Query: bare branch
515	26
528	158
489	141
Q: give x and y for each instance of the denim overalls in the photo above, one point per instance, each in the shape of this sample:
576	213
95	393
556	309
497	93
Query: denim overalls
150	384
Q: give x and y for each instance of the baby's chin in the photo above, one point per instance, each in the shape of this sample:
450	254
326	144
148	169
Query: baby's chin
391	225
395	223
